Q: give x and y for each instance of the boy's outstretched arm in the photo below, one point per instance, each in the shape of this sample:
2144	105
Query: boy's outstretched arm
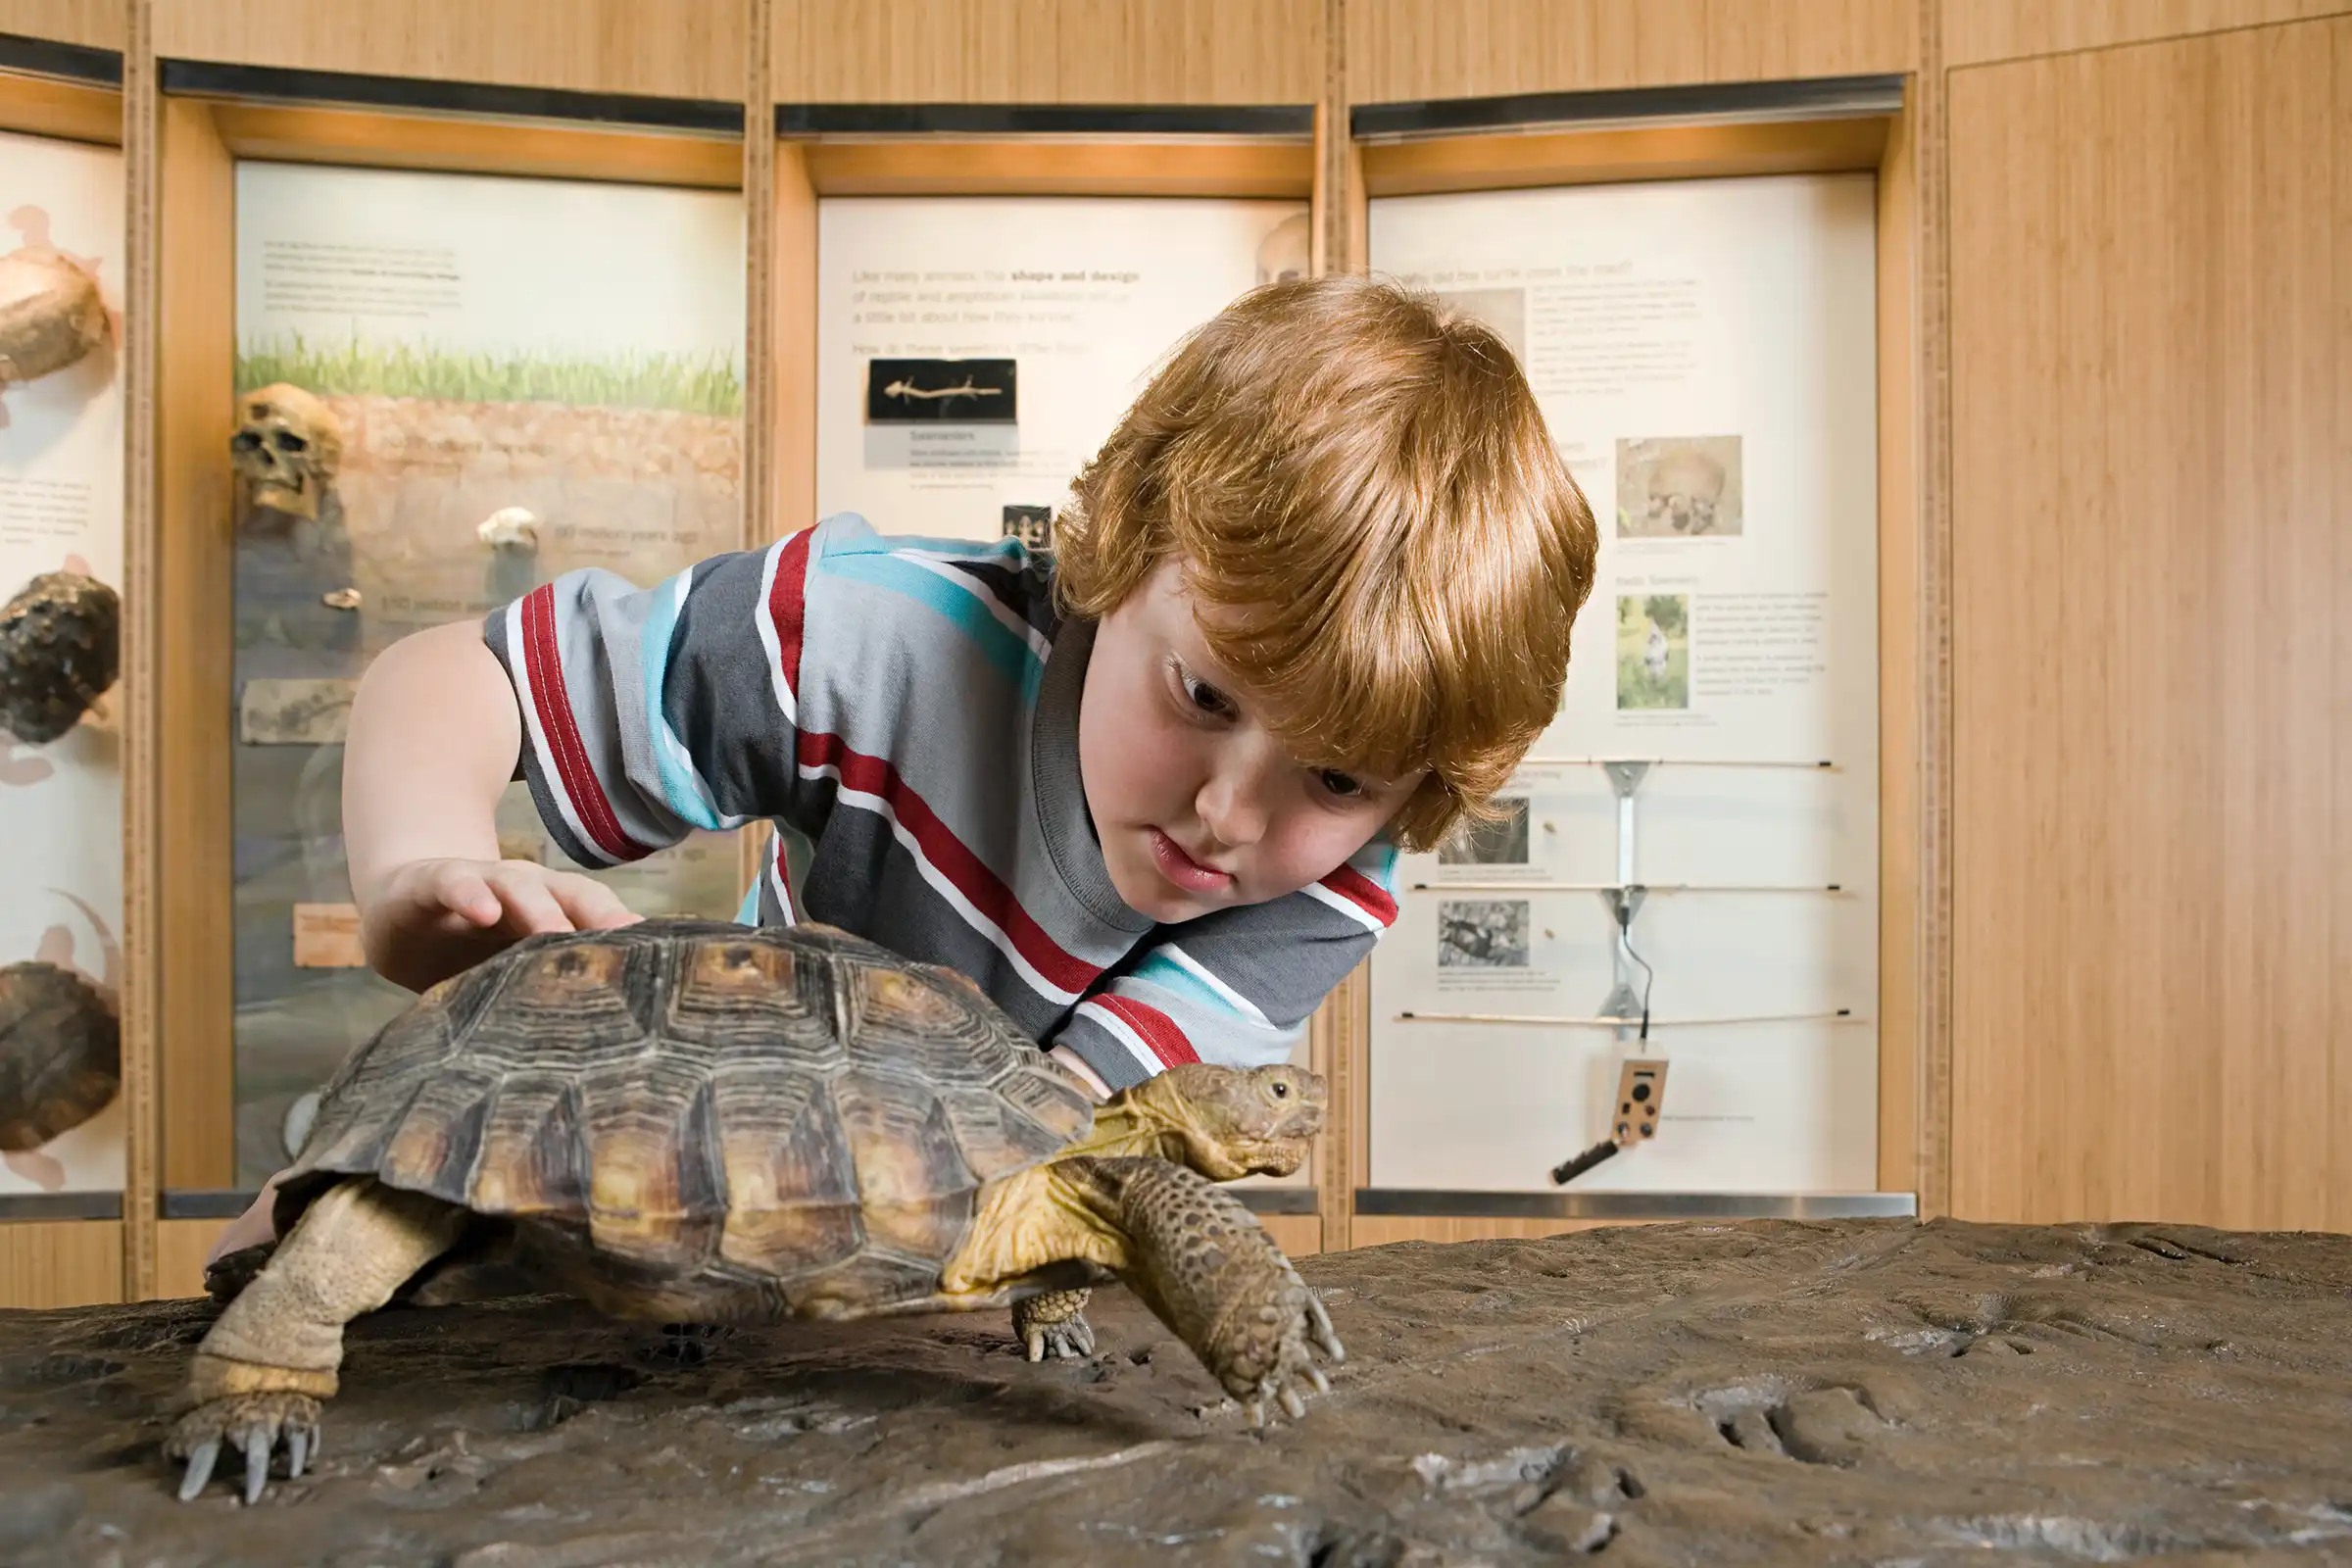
432	743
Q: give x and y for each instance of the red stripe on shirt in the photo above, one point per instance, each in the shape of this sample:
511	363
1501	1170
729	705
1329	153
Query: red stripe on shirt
1364	892
785	605
947	856
575	775
1154	1027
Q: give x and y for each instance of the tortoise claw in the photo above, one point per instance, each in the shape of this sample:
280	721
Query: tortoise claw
257	1465
200	1468
252	1424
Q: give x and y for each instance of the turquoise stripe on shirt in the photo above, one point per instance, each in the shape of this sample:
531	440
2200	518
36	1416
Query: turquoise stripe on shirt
1005	649
1166	973
679	787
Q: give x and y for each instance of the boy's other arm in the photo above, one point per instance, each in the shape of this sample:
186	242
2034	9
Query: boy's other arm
433	739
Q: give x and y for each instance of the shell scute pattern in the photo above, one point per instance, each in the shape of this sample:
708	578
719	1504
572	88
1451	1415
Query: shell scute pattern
730	998
798	1105
530	1163
596	1000
791	1180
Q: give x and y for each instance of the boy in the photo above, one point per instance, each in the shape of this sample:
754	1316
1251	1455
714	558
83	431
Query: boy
1312	602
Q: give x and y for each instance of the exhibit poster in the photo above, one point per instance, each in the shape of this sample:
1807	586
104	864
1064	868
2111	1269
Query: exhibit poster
61	512
1704	354
974	352
450	389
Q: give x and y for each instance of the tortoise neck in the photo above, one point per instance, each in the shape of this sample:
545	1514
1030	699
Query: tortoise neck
1124	1127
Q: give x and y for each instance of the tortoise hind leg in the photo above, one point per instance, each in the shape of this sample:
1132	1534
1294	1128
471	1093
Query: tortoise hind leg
1053	1324
272	1353
1209	1271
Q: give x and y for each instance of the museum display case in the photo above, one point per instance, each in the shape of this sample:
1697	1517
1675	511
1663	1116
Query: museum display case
62	302
1708	291
422	351
968	296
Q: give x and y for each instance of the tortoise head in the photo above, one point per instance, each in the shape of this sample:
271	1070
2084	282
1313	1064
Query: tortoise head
1235	1121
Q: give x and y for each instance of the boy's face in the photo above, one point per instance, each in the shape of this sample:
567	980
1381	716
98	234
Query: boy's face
1198	804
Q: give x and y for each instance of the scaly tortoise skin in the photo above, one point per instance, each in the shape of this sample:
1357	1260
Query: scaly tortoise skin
60	650
698	1121
61	1054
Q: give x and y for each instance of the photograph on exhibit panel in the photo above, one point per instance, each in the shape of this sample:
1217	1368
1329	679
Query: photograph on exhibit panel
1653	650
962	384
1483	934
61	701
450	389
1678	487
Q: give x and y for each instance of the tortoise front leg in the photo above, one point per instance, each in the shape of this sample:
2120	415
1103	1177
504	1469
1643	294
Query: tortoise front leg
1209	1271
1055	1324
274	1352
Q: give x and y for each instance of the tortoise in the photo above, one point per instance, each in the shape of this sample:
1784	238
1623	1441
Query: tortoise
61	1053
698	1121
60	650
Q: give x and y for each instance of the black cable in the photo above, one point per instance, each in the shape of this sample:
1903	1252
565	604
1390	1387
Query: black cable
1568	1170
1649	976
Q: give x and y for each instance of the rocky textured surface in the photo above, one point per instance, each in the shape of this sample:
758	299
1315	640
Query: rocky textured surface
1860	1391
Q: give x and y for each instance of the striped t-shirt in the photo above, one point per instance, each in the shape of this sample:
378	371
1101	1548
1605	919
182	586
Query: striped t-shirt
906	713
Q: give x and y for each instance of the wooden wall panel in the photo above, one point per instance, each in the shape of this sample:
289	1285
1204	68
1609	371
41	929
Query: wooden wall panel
1048	51
1975	32
180	1247
92	23
71	1262
1899	730
2151	337
676	48
1401	50
195	556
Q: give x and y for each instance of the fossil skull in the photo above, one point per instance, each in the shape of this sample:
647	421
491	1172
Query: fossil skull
288	445
1684	488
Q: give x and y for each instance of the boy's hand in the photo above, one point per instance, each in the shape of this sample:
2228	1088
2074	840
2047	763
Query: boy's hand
434	918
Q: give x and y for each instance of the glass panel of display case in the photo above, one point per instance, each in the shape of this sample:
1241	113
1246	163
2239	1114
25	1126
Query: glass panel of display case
1704	352
450	389
61	572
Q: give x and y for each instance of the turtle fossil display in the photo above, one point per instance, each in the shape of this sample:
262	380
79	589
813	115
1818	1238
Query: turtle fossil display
696	1121
51	314
60	650
61	1053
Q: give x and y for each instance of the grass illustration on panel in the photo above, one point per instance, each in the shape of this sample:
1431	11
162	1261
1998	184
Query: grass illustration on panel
686	384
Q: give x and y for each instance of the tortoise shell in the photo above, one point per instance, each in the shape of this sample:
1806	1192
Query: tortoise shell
60	650
691	1099
61	1054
